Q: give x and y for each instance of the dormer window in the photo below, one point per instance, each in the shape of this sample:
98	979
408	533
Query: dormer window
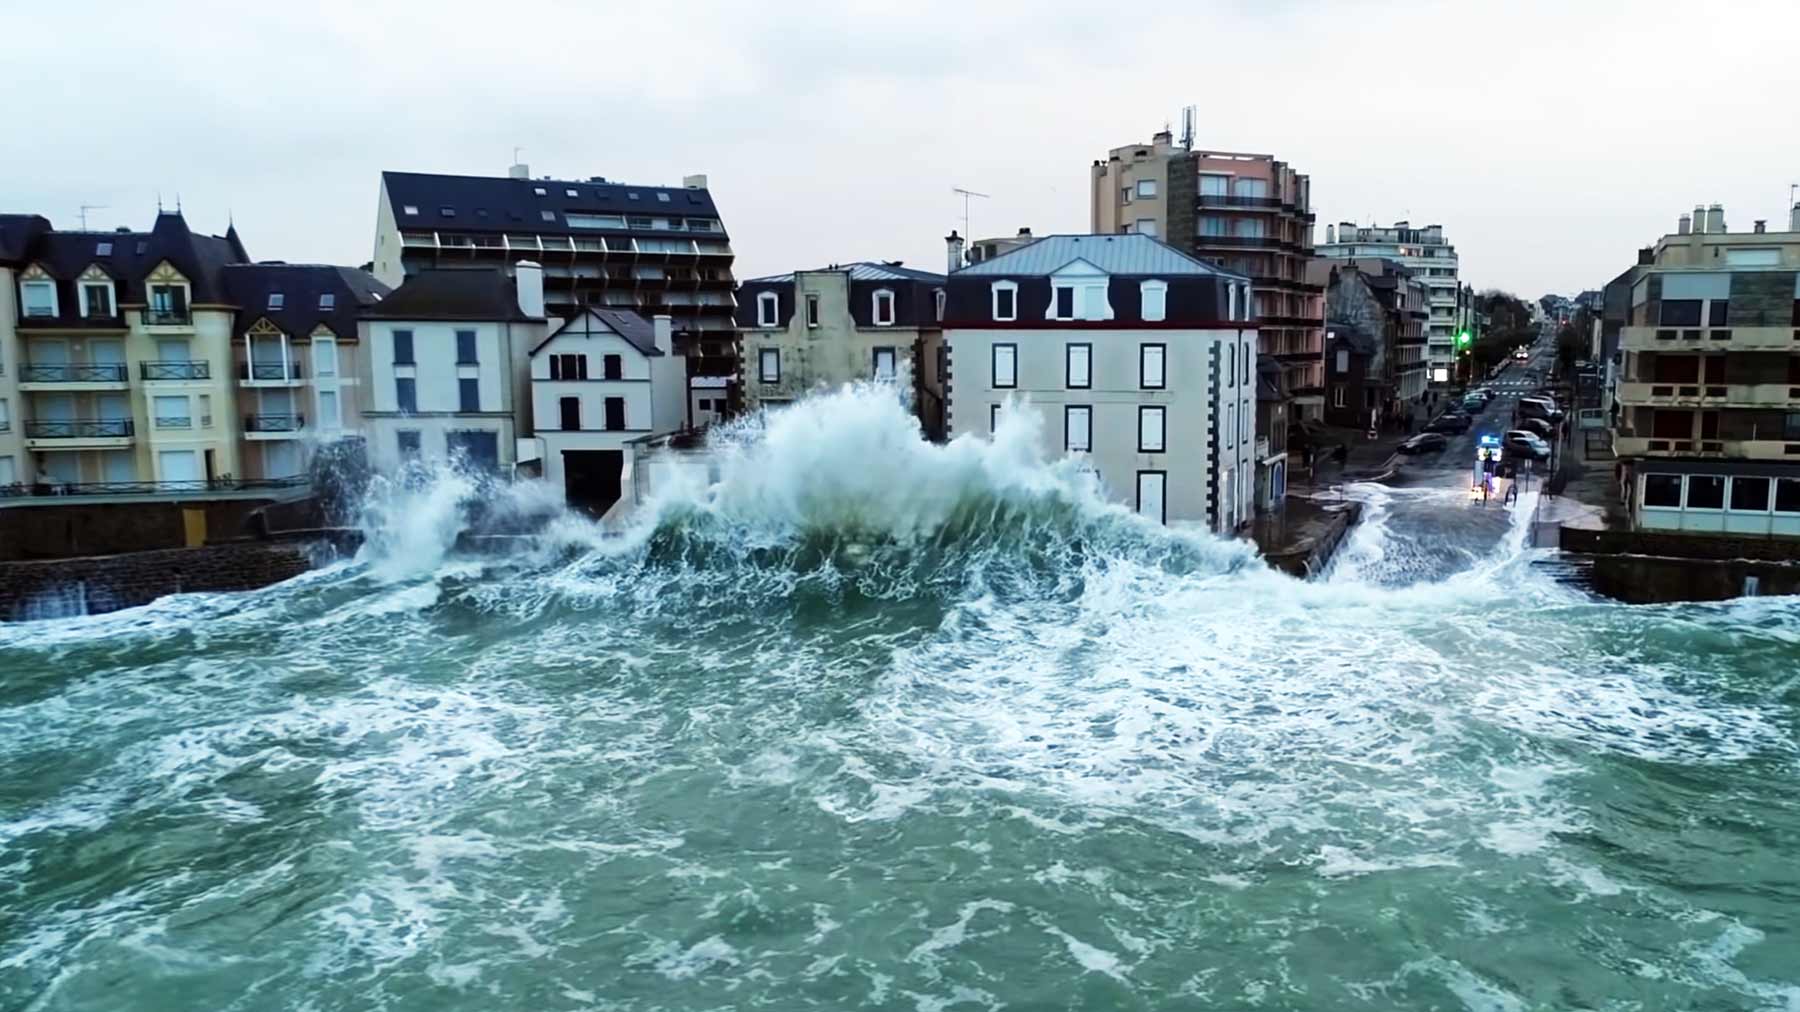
1005	295
327	300
276	299
1063	306
662	197
38	298
548	215
768	309
103	249
447	211
884	308
96	300
411	209
540	191
1154	296
571	191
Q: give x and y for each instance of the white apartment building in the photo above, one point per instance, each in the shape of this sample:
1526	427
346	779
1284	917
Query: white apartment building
1139	359
1431	258
447	370
602	383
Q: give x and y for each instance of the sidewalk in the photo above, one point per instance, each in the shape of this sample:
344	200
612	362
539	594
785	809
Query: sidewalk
1367	460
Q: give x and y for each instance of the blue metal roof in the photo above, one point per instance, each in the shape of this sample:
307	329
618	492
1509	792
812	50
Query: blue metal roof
864	270
1129	254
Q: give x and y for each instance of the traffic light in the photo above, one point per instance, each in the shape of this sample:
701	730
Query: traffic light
1463	339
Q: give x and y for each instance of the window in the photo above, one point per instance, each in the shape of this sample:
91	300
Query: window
406	394
1337	397
276	300
168	303
103	249
1150	366
1343	361
5	416
1214	186
1662	490
329	415
812	310
1250	187
172	413
568	367
993	417
768	309
465	348
547	215
1125	194
1150	429
468	394
403	347
612	367
1718	312
1078	421
1151	486
1146	187
594	220
938	297
1064	307
1787	495
1145	226
96	301
631	195
1680	313
412	209
570	409
615	413
1153	297
1078	361
447	211
1005	366
39	298
327	300
769	364
1705	492
571	192
1250	228
1212	224
1006	300
1750	495
884	308
206	411
662	197
325	358
409	443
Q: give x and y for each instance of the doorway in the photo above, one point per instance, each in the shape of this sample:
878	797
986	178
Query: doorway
593	479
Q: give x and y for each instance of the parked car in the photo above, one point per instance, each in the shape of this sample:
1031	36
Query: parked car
1424	442
1522	442
1473	403
1449	422
1538	426
1537	407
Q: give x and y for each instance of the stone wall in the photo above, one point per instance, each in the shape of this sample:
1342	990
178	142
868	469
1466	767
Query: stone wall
1641	579
82	528
1684	546
50	589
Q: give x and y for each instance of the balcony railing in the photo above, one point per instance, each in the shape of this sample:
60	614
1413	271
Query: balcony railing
274	423
166	317
269	371
79	428
112	372
52	488
182	422
1233	200
175	370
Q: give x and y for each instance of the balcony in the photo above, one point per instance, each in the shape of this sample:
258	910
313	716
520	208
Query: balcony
155	372
76	433
92	376
1744	449
1233	200
276	373
273	426
1734	338
216	486
166	317
1712	395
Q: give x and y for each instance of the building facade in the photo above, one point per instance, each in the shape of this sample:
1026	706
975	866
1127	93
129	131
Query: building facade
1248	213
1138	359
652	250
820	329
1432	259
1708	428
1385	303
446	374
601	383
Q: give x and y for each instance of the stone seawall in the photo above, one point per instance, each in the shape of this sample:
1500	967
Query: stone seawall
1309	554
95	584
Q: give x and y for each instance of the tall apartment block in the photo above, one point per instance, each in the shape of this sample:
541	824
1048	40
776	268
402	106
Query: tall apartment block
1708	399
654	250
1431	258
1248	213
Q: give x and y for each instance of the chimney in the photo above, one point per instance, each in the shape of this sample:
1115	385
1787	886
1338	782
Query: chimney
1699	219
1761	226
528	278
665	333
1646	256
1330	235
696	182
519	171
1715	219
1684	225
953	251
1794	219
1026	232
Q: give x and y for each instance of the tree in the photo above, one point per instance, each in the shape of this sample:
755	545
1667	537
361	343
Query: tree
1572	344
1507	325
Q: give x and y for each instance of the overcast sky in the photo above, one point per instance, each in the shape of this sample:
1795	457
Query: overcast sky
1549	139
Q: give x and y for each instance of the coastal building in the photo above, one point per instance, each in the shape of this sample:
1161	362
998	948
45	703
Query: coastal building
1431	258
822	328
600	384
446	374
1248	213
1708	430
295	348
1138	358
652	250
1383	306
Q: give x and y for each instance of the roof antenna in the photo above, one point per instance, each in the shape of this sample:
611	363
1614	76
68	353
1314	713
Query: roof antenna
966	194
159	202
85	208
177	201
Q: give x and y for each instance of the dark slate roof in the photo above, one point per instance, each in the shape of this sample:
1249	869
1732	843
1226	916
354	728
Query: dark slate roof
17	234
863	270
480	293
1352	335
131	256
1130	254
504	204
301	285
623	322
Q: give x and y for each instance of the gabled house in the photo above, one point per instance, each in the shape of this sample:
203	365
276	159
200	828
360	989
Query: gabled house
446	368
1139	359
601	384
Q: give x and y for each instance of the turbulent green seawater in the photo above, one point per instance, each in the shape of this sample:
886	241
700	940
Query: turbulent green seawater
874	725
